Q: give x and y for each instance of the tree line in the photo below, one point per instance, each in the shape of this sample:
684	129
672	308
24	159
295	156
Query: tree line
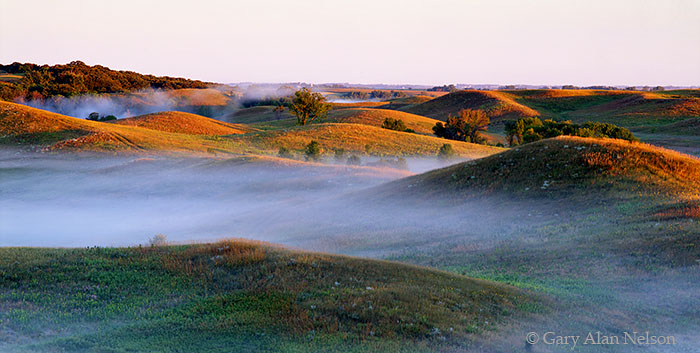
77	78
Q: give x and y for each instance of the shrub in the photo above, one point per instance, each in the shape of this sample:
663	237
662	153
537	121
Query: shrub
339	154
354	160
313	151
446	152
396	125
284	152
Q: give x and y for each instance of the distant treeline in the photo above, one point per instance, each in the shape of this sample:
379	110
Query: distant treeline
376	94
445	88
77	78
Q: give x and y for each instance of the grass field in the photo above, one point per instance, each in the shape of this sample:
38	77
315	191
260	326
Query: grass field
241	294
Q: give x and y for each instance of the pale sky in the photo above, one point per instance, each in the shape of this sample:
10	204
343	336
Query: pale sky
611	42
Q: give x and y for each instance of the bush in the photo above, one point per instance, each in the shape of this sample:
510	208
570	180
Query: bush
339	154
396	125
95	116
313	151
354	160
284	152
446	152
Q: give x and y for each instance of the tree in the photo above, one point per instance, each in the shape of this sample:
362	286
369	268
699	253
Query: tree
307	106
94	116
313	151
464	127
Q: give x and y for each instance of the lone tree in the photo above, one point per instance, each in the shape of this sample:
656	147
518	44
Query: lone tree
464	127
308	106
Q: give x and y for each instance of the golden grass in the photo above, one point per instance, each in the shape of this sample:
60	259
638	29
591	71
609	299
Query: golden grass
16	119
497	105
375	117
184	123
567	166
360	139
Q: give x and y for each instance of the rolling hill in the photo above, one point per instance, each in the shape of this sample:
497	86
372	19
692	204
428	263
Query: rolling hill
361	139
498	105
22	125
375	117
184	123
564	167
238	293
626	108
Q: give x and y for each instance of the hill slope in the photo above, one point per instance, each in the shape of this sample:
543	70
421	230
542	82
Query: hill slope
498	105
564	166
208	296
360	139
22	125
375	117
184	123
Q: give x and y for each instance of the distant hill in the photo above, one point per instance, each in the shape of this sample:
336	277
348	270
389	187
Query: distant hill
625	108
498	106
184	123
31	81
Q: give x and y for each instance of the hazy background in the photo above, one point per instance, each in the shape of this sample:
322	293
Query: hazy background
622	42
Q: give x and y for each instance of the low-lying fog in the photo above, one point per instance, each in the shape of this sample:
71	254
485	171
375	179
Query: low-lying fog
67	200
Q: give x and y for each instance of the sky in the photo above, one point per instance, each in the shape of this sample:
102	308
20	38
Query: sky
550	42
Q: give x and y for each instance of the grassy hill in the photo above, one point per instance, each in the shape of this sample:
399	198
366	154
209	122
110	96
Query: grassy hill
362	139
375	117
184	123
565	167
626	108
22	125
498	105
235	293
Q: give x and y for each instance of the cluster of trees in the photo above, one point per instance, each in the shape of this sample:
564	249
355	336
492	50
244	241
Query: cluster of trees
77	78
376	94
396	125
445	88
526	130
95	116
466	126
